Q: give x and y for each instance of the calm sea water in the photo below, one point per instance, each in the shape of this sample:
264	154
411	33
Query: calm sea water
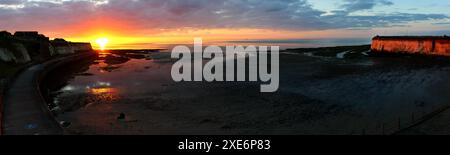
284	44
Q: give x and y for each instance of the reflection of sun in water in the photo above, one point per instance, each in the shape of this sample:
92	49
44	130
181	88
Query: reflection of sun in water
102	92
99	91
102	43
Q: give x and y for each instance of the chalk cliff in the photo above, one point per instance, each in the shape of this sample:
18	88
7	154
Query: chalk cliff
79	47
62	47
21	55
12	50
427	45
6	55
26	46
17	54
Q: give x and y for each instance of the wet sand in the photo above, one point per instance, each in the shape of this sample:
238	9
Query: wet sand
322	91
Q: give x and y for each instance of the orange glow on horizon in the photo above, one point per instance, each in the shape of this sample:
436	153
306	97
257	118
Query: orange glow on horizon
134	39
102	42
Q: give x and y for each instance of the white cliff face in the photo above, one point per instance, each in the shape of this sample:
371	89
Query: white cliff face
62	50
82	47
52	50
23	56
72	48
17	52
6	55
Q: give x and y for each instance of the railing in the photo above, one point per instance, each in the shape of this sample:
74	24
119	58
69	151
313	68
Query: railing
404	123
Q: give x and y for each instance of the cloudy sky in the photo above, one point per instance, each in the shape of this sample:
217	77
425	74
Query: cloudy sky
139	21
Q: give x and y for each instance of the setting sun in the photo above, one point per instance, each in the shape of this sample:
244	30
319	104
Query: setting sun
102	43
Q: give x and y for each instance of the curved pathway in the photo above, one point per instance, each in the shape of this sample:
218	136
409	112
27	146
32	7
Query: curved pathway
25	110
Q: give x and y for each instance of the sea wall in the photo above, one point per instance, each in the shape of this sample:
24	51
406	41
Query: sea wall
412	45
34	109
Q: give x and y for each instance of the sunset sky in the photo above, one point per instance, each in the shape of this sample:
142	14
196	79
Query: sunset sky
128	22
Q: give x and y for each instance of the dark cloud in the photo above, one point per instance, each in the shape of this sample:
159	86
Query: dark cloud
394	19
358	5
442	23
175	14
12	2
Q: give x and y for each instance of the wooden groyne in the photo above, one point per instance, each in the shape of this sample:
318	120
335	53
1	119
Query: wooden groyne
425	45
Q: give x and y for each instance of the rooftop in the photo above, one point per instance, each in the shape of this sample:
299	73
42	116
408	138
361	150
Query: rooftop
26	33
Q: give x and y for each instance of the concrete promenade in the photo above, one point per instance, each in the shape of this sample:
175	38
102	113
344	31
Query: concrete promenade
25	111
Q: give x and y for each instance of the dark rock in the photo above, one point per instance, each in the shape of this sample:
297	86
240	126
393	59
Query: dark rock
115	60
85	74
121	116
65	124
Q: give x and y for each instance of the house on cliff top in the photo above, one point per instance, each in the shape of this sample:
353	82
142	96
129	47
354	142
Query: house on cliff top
30	36
426	45
37	44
